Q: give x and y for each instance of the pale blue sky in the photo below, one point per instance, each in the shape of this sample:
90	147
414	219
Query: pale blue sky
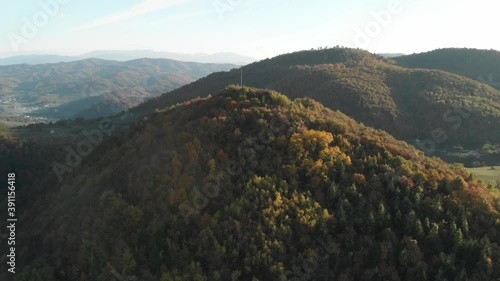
256	28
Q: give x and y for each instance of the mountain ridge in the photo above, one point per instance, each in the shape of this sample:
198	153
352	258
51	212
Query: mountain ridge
409	103
126	55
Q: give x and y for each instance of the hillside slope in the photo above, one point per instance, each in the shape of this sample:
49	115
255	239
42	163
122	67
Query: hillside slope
481	65
249	185
431	105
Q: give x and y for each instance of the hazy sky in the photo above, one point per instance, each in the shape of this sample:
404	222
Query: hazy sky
255	28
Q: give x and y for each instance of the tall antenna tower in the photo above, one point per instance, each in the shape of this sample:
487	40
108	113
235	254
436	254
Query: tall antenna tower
241	76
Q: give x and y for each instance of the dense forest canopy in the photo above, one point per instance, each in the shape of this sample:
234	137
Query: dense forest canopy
248	184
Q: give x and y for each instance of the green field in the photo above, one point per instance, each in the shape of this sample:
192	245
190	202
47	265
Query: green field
487	174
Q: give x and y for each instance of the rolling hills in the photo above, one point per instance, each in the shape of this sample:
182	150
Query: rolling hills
432	108
78	89
250	185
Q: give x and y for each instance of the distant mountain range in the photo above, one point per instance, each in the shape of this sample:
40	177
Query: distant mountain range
224	58
92	87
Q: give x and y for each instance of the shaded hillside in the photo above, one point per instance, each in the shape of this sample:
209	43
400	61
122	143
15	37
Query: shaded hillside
57	90
249	185
481	65
31	159
408	103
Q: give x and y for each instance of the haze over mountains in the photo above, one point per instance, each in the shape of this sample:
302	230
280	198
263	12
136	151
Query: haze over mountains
126	55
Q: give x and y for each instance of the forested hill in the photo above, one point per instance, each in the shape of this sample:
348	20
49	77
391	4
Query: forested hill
249	185
481	65
408	103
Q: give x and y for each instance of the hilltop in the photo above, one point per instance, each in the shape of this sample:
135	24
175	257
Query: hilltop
248	184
